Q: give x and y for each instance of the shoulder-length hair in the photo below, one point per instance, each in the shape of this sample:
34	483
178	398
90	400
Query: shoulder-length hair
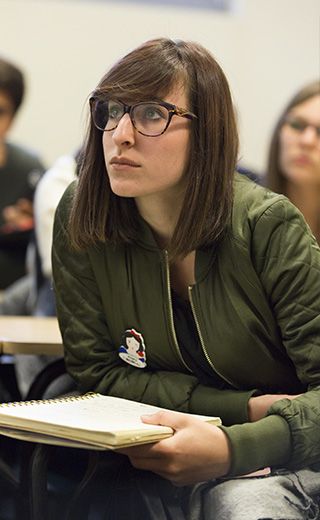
154	69
275	178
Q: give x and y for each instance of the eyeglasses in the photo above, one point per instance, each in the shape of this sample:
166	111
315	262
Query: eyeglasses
300	125
148	118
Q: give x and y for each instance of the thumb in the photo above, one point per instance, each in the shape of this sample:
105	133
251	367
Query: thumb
175	420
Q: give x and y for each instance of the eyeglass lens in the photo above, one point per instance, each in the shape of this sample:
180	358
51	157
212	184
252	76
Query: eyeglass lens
299	125
150	119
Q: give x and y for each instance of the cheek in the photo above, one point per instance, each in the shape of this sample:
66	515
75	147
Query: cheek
108	151
105	143
317	158
177	152
285	147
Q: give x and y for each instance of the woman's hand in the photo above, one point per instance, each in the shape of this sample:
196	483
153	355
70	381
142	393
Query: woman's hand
198	451
258	406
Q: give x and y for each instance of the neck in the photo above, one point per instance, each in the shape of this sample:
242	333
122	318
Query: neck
161	215
307	200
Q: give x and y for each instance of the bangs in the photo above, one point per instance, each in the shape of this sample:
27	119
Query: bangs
141	76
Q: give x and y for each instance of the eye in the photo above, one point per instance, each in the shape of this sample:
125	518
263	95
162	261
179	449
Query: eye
153	112
297	124
115	110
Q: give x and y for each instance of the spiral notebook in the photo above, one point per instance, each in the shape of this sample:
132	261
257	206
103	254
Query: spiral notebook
91	421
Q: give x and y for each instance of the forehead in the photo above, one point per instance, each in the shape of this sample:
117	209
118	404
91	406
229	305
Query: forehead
176	94
308	110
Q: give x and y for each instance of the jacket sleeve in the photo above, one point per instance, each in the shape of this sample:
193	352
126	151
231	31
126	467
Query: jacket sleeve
287	260
93	361
289	267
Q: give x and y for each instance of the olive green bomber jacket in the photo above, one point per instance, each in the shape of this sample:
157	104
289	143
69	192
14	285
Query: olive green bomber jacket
257	309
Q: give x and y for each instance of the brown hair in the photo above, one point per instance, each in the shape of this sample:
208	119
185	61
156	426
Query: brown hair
156	67
275	179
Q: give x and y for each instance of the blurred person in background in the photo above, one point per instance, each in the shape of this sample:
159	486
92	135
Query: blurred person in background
47	196
32	294
20	170
294	155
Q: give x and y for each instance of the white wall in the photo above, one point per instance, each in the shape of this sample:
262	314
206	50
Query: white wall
268	50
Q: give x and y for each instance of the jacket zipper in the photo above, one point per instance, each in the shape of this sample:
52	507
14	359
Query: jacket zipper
171	322
202	342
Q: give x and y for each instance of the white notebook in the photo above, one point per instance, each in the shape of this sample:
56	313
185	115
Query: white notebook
87	421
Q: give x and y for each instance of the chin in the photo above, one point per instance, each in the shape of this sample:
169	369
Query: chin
123	191
304	178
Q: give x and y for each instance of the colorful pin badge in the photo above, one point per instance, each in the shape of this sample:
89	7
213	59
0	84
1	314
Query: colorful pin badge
132	349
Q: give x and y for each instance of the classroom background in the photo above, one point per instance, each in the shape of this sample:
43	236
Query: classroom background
268	49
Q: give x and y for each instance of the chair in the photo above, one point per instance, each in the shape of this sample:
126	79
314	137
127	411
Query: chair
74	503
28	454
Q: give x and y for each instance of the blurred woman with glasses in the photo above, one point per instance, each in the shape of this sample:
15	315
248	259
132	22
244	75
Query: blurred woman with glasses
294	155
216	275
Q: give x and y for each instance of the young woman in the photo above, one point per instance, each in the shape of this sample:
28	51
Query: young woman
294	156
218	276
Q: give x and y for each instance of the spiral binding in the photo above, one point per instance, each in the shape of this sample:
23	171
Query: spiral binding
66	399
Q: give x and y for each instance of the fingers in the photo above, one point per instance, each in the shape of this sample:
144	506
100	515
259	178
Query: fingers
174	420
197	452
25	205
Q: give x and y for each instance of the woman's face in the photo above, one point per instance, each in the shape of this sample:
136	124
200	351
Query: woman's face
300	143
140	166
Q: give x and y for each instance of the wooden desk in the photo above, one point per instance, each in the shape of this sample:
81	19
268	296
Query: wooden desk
30	335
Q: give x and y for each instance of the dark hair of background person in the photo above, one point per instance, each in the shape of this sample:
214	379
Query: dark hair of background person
275	178
150	72
12	82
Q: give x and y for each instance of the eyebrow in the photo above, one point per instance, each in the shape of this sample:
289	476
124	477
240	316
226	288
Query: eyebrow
301	118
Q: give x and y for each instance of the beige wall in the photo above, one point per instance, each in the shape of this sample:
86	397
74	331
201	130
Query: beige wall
268	50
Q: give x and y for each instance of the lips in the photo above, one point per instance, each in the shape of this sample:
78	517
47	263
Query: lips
302	160
123	161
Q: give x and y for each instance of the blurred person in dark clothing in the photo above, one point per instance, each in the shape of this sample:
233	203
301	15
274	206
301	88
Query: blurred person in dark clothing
20	170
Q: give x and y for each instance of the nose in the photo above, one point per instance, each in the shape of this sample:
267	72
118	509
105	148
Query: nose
309	136
124	134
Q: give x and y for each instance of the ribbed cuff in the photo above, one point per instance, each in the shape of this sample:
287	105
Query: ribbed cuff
230	405
259	444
